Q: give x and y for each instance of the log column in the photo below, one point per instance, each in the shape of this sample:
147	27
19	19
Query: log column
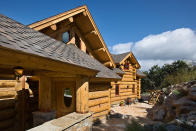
82	89
140	88
45	85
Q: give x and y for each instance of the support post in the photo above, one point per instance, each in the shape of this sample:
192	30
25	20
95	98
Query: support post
140	88
82	89
45	85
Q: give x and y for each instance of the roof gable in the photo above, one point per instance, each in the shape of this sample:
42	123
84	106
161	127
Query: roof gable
120	58
84	21
20	38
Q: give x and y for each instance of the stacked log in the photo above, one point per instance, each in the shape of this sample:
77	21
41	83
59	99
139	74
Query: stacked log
7	114
99	100
127	86
7	89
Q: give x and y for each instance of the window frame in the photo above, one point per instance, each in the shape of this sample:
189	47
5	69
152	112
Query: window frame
117	89
133	89
68	103
126	65
77	39
68	36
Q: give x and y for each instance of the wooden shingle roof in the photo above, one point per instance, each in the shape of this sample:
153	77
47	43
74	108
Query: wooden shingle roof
140	73
119	57
18	37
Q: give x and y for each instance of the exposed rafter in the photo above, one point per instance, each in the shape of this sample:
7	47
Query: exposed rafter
71	19
53	27
84	13
100	50
92	32
108	64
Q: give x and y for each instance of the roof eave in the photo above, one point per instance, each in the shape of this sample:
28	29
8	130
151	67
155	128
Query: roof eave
91	71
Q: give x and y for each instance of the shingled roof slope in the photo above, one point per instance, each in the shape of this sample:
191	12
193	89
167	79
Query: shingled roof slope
119	57
19	37
139	73
118	71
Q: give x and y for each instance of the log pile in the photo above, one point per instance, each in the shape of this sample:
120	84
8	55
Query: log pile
178	105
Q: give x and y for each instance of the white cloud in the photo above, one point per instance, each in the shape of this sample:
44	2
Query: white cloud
177	44
147	64
162	48
121	48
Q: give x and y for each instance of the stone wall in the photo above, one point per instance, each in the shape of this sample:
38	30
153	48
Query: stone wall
71	122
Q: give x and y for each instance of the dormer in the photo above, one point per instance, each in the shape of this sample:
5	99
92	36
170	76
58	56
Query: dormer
126	62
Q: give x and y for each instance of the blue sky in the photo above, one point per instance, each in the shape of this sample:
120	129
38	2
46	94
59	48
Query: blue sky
119	21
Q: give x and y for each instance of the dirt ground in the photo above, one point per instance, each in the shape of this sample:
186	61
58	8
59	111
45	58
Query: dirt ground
136	111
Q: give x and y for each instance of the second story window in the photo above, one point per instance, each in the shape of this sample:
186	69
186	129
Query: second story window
87	52
77	41
126	65
66	37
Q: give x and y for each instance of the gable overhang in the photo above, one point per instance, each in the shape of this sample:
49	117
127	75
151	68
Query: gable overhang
83	20
140	76
34	63
133	59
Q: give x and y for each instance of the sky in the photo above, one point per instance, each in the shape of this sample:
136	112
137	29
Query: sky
156	31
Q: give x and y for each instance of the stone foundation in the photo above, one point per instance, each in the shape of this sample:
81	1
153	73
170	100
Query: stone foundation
71	122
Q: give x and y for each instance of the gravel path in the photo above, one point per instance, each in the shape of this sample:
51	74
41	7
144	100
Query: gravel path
136	111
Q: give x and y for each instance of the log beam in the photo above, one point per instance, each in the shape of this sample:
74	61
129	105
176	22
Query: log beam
53	27
45	85
108	64
13	58
84	13
82	89
100	50
71	19
53	74
92	32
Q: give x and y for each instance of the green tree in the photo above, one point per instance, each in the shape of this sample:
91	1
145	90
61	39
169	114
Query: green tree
159	77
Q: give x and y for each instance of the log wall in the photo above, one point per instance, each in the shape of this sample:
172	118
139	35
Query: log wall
127	87
7	114
138	87
99	99
15	107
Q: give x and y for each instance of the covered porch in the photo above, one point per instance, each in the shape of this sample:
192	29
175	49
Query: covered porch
61	87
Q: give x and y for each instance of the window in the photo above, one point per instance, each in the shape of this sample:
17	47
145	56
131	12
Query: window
117	90
66	37
87	52
126	65
67	97
77	41
133	89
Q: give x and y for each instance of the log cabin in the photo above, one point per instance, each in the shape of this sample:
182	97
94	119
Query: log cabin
129	86
66	64
77	26
63	72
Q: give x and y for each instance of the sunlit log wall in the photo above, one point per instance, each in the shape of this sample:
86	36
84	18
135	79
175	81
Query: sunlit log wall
127	86
138	80
99	99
